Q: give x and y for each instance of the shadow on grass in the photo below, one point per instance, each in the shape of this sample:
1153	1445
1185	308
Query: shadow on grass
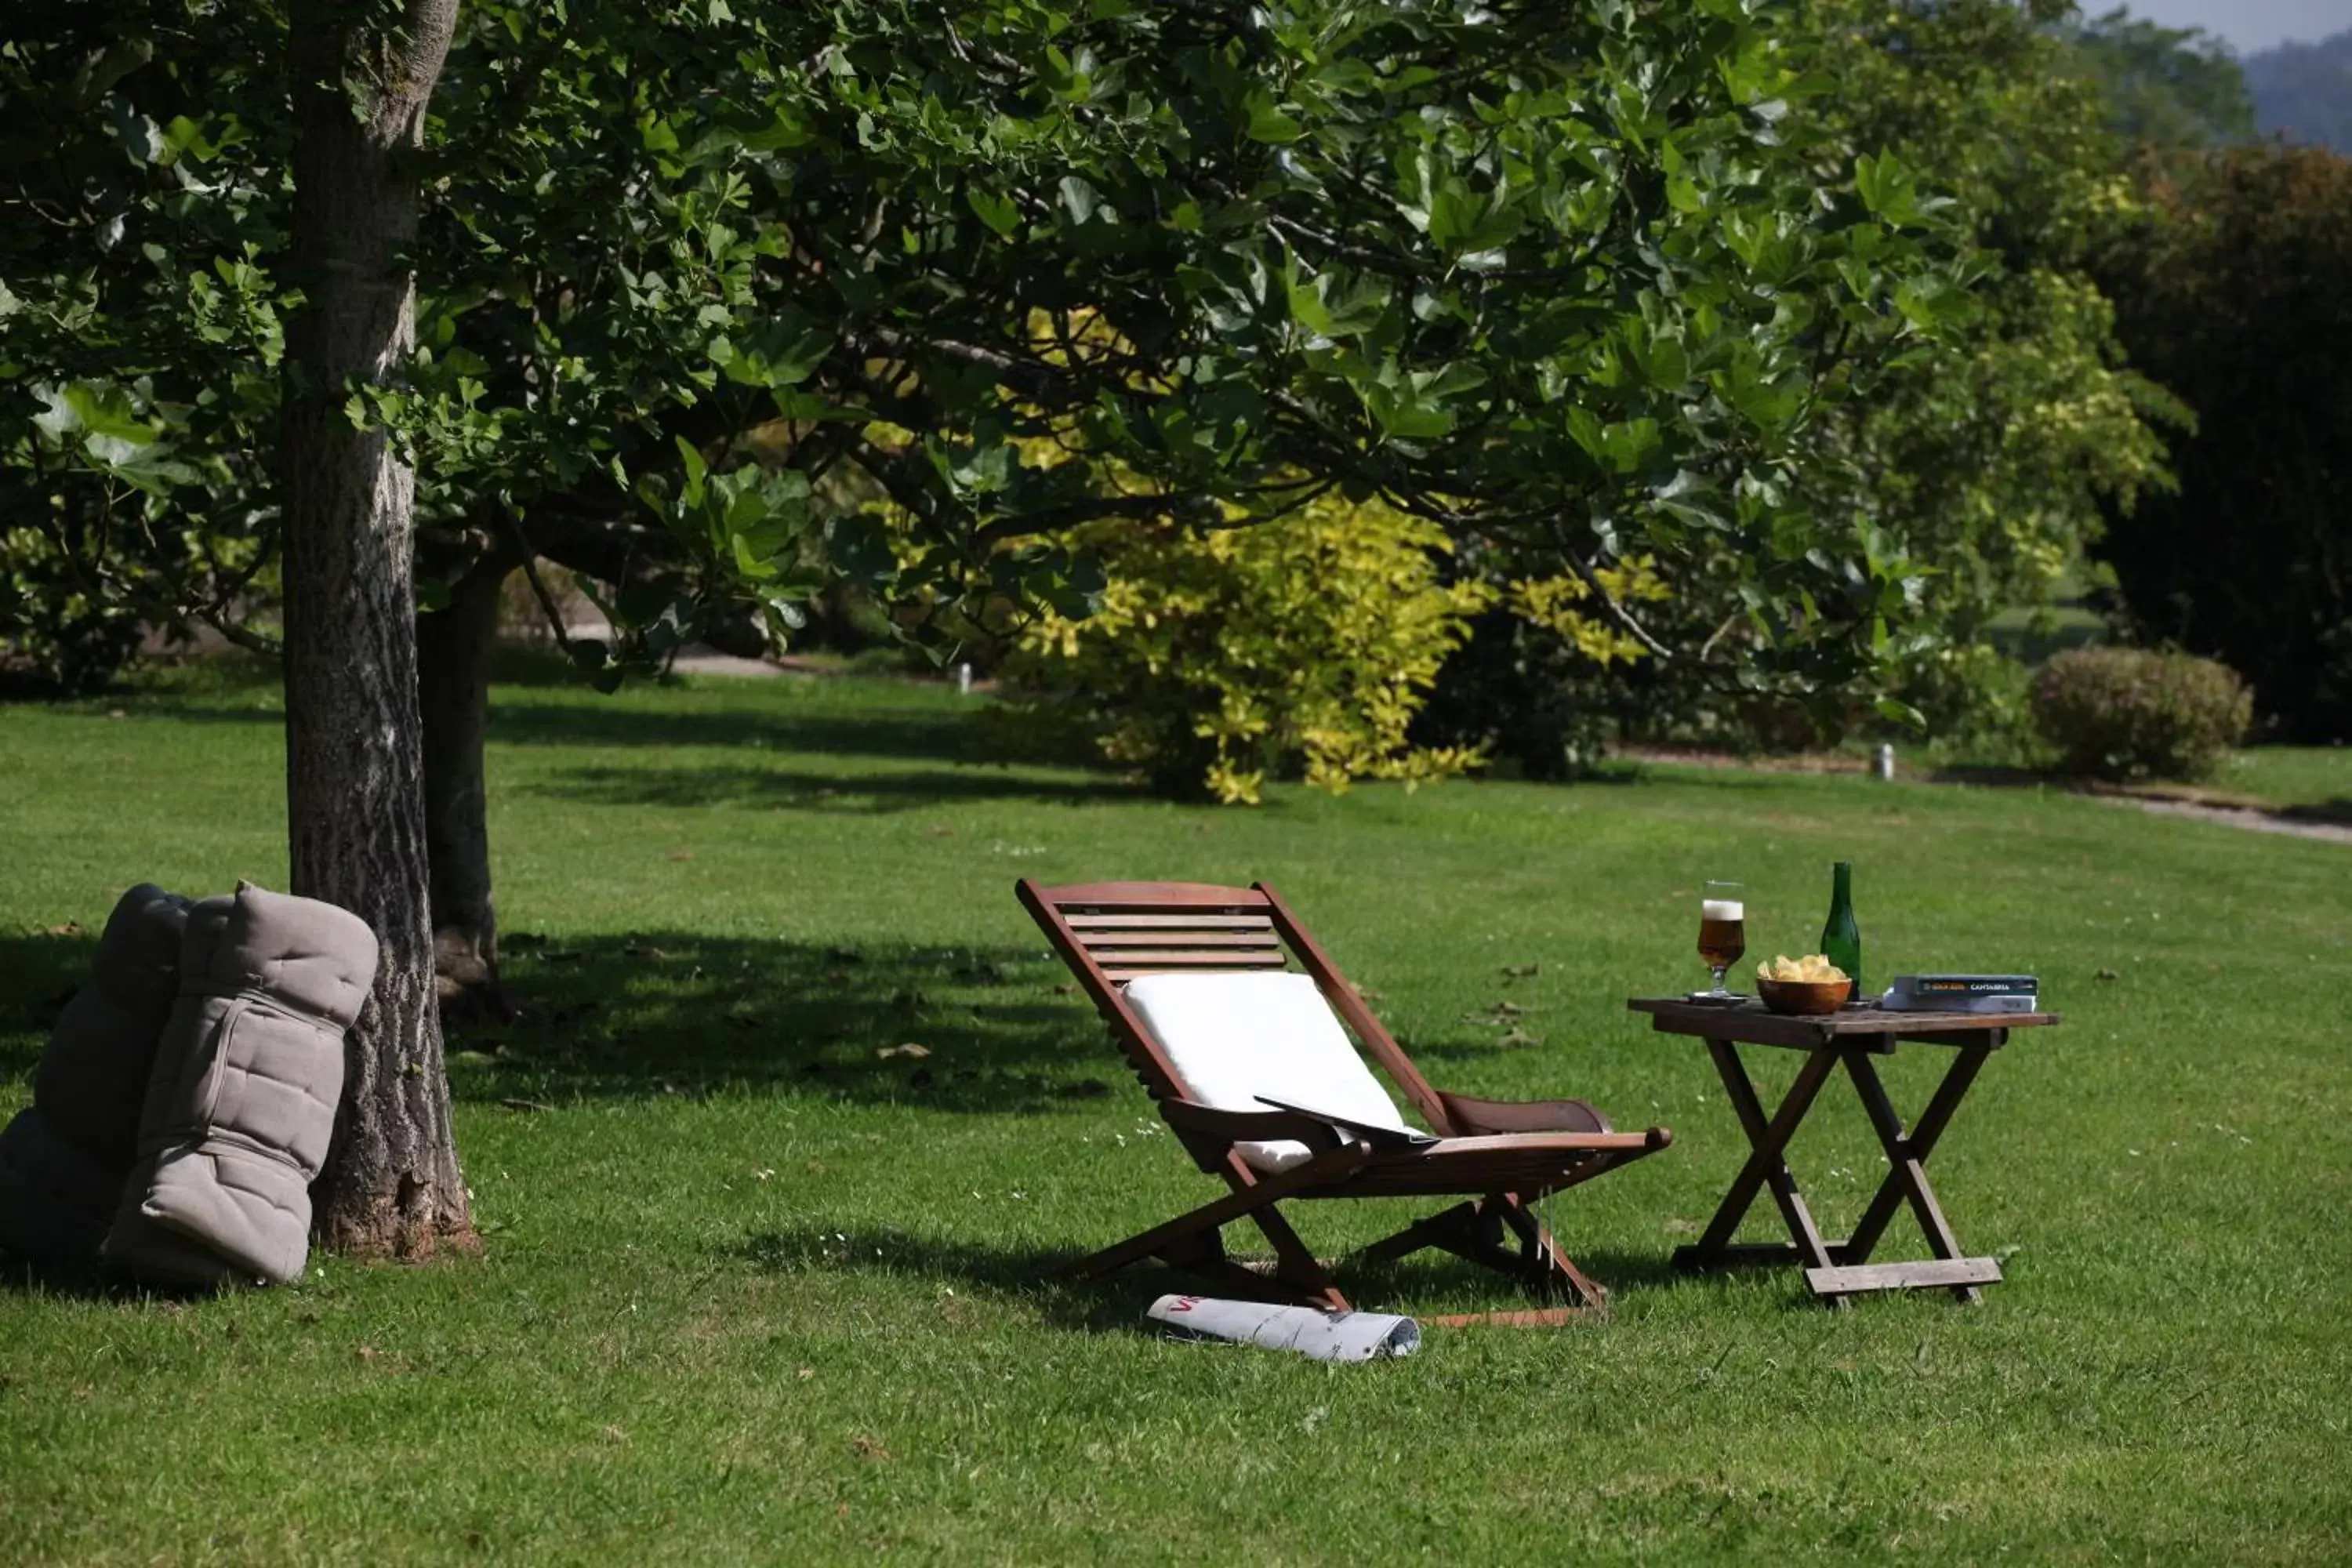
663	1013
944	737
982	1029
989	1274
523	712
785	789
929	737
1037	1280
38	975
89	1282
2337	812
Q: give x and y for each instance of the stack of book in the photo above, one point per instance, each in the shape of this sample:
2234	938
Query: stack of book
1963	994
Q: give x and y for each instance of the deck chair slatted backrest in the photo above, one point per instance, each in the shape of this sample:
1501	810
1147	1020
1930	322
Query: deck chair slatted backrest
1111	933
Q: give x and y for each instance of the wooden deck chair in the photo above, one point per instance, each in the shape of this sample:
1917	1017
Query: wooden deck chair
1208	1050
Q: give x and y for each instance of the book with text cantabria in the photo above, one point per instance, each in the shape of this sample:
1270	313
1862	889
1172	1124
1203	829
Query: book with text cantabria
1968	984
1962	994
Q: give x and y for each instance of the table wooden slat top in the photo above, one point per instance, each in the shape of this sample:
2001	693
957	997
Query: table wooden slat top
1751	1023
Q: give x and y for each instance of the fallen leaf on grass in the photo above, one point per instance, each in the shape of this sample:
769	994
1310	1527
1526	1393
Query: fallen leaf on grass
868	1448
1520	1037
1496	1015
614	1435
71	928
908	1050
1521	971
806	1372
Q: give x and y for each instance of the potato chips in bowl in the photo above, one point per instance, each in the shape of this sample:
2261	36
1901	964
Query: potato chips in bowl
1811	986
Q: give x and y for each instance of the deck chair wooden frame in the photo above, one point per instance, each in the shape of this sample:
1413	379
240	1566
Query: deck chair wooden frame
1501	1157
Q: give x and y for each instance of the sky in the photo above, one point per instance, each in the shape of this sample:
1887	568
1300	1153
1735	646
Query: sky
2248	25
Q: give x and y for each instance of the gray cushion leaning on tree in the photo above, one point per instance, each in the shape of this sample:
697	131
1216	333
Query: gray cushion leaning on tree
242	1099
64	1158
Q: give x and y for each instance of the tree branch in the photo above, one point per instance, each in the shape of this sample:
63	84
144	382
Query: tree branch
239	634
1616	612
538	587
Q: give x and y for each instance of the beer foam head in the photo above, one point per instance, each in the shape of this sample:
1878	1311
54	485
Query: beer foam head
1722	909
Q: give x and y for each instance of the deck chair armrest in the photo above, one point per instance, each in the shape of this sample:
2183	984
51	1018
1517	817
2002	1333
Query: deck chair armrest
1249	1126
1472	1117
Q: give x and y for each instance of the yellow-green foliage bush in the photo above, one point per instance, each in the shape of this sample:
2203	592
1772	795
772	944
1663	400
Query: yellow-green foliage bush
1298	647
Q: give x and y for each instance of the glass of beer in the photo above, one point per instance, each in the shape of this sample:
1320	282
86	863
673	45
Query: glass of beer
1722	932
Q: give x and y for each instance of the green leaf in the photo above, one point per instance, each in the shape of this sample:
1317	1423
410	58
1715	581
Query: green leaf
1900	712
1886	188
1269	122
997	212
695	469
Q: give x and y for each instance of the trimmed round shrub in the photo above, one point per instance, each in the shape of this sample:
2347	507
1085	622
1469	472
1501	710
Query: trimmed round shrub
2126	713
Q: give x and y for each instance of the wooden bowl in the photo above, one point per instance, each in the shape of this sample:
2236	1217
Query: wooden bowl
1804	998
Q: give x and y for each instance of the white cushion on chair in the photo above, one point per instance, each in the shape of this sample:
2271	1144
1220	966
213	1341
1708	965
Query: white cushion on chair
1235	1037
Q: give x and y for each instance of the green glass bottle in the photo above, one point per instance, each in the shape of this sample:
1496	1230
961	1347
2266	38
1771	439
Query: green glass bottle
1840	938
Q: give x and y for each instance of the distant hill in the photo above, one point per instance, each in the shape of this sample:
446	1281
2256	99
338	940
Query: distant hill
2304	91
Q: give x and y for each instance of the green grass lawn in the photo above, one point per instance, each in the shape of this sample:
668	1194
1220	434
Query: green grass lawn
754	1291
2314	780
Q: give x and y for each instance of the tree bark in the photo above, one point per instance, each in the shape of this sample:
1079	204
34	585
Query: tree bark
353	742
453	653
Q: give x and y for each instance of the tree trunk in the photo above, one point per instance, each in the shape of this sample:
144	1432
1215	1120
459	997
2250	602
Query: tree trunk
354	802
453	678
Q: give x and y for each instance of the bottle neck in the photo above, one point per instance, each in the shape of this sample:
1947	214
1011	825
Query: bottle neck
1842	883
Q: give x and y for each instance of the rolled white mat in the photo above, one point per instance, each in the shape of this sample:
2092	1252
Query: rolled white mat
1309	1331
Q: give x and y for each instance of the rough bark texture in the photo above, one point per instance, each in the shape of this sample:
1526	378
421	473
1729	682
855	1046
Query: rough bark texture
453	654
353	743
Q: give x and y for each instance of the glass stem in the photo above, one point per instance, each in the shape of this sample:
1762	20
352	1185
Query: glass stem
1720	970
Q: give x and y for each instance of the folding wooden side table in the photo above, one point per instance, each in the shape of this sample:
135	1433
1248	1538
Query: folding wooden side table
1839	1270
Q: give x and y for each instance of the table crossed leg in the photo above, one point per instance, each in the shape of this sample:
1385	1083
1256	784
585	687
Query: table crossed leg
1837	1270
1765	1167
1907	1177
